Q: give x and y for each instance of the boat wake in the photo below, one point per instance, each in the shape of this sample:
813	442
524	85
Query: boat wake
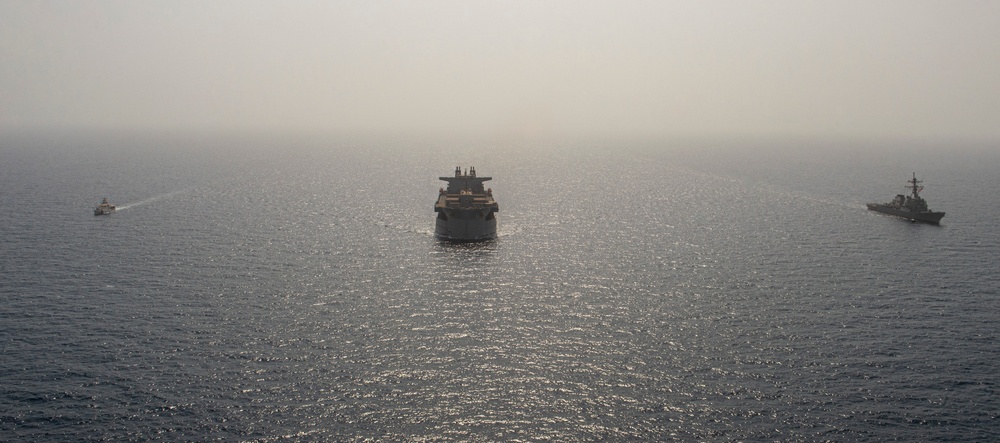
152	199
423	231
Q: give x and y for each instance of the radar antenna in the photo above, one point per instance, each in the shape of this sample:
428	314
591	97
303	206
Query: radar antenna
914	184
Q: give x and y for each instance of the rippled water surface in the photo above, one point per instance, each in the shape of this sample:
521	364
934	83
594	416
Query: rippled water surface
292	290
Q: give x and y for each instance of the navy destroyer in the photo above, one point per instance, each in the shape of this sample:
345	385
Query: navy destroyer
104	208
911	207
466	212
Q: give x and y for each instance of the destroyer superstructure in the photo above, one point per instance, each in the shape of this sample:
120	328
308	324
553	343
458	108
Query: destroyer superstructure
466	211
911	207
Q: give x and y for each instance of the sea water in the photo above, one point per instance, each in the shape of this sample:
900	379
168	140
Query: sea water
289	289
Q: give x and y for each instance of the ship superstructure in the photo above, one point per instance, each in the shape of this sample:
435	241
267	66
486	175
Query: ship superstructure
912	207
466	210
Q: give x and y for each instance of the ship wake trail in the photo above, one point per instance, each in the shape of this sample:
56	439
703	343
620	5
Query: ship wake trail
152	199
409	229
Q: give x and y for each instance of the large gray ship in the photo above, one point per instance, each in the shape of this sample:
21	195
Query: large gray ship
466	212
911	207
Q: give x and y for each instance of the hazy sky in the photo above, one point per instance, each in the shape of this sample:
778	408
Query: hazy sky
870	68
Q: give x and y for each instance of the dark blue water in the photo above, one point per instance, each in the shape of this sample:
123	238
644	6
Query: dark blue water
288	289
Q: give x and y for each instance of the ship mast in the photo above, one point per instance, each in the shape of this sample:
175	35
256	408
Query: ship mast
914	184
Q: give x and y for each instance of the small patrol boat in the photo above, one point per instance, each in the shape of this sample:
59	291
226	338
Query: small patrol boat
104	208
911	207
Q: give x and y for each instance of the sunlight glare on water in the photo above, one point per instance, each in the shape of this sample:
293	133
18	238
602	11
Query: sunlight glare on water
266	294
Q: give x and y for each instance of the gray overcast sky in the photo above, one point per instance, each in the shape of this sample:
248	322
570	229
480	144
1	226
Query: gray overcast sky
575	68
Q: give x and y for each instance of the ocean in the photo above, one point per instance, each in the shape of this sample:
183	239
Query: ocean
284	289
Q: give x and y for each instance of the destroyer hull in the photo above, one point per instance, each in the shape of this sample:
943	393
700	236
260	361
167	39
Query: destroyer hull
925	217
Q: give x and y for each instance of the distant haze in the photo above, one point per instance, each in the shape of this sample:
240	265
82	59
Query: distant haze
855	69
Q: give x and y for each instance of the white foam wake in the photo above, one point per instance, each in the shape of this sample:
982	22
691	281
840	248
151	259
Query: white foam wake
151	199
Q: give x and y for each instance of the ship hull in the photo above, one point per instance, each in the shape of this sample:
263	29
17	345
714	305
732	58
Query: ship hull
466	226
925	217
